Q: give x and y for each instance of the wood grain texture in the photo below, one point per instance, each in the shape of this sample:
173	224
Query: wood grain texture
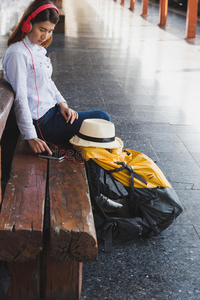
67	282
0	178
25	280
72	230
21	218
6	101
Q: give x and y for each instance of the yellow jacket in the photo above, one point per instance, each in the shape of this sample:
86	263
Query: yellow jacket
139	162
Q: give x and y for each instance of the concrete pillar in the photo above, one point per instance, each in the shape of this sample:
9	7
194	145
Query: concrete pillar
145	8
132	4
191	21
163	12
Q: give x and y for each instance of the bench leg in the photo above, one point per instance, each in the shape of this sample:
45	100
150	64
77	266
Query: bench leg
24	282
64	280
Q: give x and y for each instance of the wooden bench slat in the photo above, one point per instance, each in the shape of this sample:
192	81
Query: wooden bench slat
6	101
0	178
72	231
22	213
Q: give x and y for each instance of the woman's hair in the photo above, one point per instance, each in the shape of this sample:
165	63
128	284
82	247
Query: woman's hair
49	14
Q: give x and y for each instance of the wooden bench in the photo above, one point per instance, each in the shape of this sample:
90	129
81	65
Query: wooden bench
46	221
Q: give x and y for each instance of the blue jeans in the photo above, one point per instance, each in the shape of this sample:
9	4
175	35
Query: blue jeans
55	129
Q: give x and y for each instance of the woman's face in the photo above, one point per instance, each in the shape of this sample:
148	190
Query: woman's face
41	32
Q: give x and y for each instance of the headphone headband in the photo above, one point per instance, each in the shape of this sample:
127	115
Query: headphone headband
41	8
26	25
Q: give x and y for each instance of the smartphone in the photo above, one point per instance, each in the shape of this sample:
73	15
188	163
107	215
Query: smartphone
57	155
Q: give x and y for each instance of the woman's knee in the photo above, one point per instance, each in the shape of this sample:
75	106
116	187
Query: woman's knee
93	114
103	115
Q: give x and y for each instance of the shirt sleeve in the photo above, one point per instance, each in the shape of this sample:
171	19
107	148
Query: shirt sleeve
15	70
59	98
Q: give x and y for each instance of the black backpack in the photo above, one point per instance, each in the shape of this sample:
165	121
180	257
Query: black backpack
146	211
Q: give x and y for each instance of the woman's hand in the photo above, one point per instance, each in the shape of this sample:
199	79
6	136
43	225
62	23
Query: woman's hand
69	114
39	146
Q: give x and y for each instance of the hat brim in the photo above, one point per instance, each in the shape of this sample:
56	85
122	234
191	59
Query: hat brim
76	141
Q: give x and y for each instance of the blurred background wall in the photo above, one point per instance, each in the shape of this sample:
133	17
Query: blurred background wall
10	13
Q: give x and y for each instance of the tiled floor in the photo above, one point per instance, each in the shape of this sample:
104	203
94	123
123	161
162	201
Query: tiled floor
147	79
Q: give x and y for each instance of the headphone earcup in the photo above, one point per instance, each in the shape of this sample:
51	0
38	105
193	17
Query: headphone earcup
31	27
26	27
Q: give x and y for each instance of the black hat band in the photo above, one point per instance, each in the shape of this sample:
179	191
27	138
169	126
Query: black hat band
93	139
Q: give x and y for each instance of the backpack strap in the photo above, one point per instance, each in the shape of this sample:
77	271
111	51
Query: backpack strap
106	236
121	196
132	200
127	167
92	194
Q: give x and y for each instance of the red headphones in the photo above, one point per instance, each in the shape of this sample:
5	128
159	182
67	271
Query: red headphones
26	25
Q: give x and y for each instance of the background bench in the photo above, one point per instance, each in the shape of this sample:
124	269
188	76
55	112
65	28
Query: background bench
60	27
46	221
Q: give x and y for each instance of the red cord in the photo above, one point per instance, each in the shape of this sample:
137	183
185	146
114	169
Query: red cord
37	95
76	163
38	109
63	152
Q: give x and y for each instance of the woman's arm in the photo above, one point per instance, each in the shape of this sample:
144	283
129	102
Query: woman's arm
15	71
69	114
39	145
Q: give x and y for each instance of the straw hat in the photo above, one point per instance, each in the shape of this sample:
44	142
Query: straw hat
97	133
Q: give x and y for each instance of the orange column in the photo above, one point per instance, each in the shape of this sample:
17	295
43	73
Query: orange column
122	2
163	12
191	22
145	8
132	3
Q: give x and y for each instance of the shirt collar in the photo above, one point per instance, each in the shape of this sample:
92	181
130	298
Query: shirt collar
33	46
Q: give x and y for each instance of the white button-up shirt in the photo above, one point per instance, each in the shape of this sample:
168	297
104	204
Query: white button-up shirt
18	70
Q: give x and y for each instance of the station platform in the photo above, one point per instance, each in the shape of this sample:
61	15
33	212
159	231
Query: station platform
148	79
